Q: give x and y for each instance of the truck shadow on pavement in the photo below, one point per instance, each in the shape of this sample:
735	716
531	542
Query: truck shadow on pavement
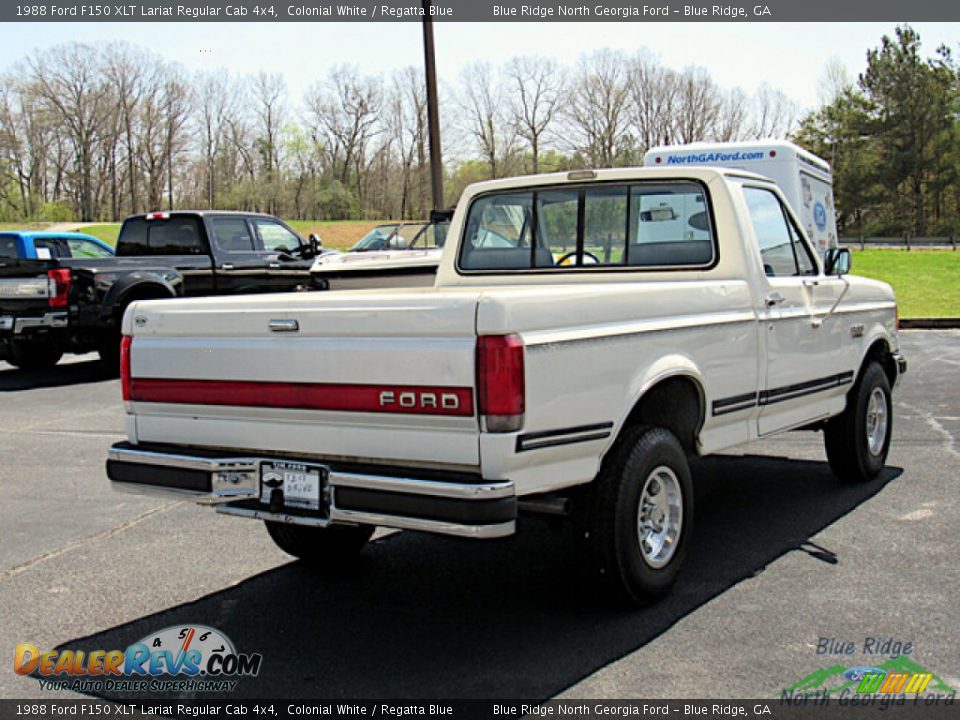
428	617
77	373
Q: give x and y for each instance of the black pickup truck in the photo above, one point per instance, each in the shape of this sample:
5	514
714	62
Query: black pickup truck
49	307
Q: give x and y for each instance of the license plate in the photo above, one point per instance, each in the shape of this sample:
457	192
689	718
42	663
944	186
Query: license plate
6	322
302	484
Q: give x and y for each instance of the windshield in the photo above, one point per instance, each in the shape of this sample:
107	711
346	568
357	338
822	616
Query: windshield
408	236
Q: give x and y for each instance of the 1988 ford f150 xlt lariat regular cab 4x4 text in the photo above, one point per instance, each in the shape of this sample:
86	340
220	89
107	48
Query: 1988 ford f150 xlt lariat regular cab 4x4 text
588	332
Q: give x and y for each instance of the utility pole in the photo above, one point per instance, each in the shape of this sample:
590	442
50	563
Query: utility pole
433	113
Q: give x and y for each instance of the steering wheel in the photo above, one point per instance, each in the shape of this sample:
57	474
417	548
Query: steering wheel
586	254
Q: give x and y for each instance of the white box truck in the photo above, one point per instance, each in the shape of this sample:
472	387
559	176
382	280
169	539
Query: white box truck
804	178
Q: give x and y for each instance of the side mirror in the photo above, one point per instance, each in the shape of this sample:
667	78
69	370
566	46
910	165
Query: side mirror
315	243
837	261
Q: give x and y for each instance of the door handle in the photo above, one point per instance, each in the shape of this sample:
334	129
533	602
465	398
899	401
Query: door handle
227	266
810	283
773	299
273	265
283	325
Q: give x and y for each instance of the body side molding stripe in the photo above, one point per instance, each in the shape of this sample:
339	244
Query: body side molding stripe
563	436
746	401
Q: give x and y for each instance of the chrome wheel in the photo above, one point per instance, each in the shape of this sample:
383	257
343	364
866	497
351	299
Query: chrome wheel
659	516
876	421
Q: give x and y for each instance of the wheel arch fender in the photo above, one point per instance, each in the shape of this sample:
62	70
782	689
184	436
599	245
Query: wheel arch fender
669	393
878	346
140	285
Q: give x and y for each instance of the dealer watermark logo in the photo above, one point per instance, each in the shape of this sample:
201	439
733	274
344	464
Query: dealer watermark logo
889	677
180	658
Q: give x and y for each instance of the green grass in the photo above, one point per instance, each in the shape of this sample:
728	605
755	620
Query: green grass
927	282
23	226
107	232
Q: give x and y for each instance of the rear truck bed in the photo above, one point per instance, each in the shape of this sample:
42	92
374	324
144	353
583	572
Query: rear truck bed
337	428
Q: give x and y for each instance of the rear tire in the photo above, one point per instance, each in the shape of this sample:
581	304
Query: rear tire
34	354
330	546
858	440
639	516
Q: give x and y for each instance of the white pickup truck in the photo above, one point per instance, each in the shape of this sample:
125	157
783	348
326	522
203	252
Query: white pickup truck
588	332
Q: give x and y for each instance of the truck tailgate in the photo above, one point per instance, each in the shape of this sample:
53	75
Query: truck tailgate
24	288
349	375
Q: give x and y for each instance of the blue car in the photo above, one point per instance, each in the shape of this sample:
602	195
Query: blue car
36	245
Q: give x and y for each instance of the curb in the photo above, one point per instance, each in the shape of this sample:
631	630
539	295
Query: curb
929	323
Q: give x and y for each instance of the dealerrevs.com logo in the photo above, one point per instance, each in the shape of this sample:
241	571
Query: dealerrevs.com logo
181	658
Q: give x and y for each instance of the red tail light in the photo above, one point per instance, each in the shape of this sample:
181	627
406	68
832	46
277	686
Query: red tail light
125	345
500	382
61	286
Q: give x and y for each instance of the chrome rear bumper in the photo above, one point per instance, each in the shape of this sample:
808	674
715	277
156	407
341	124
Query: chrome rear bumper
469	508
53	320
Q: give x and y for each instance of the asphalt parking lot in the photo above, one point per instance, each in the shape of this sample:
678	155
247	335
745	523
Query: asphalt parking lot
782	556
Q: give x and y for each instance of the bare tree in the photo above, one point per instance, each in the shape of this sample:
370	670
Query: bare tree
537	89
25	134
698	104
344	111
268	93
597	109
485	117
176	110
125	67
775	115
653	93
732	118
212	99
69	82
835	81
405	120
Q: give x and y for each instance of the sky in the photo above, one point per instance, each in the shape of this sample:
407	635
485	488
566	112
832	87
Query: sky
787	56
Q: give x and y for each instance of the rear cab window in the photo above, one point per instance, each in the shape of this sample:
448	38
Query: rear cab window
176	235
628	226
51	248
81	248
8	246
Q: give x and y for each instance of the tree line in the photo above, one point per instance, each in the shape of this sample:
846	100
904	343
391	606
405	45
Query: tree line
97	133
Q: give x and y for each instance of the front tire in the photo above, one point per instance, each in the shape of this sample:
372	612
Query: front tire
640	515
330	546
858	440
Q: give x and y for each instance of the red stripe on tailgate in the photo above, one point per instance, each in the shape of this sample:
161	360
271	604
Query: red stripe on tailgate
414	399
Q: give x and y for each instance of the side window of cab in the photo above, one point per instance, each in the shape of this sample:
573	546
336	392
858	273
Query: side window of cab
782	248
274	237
